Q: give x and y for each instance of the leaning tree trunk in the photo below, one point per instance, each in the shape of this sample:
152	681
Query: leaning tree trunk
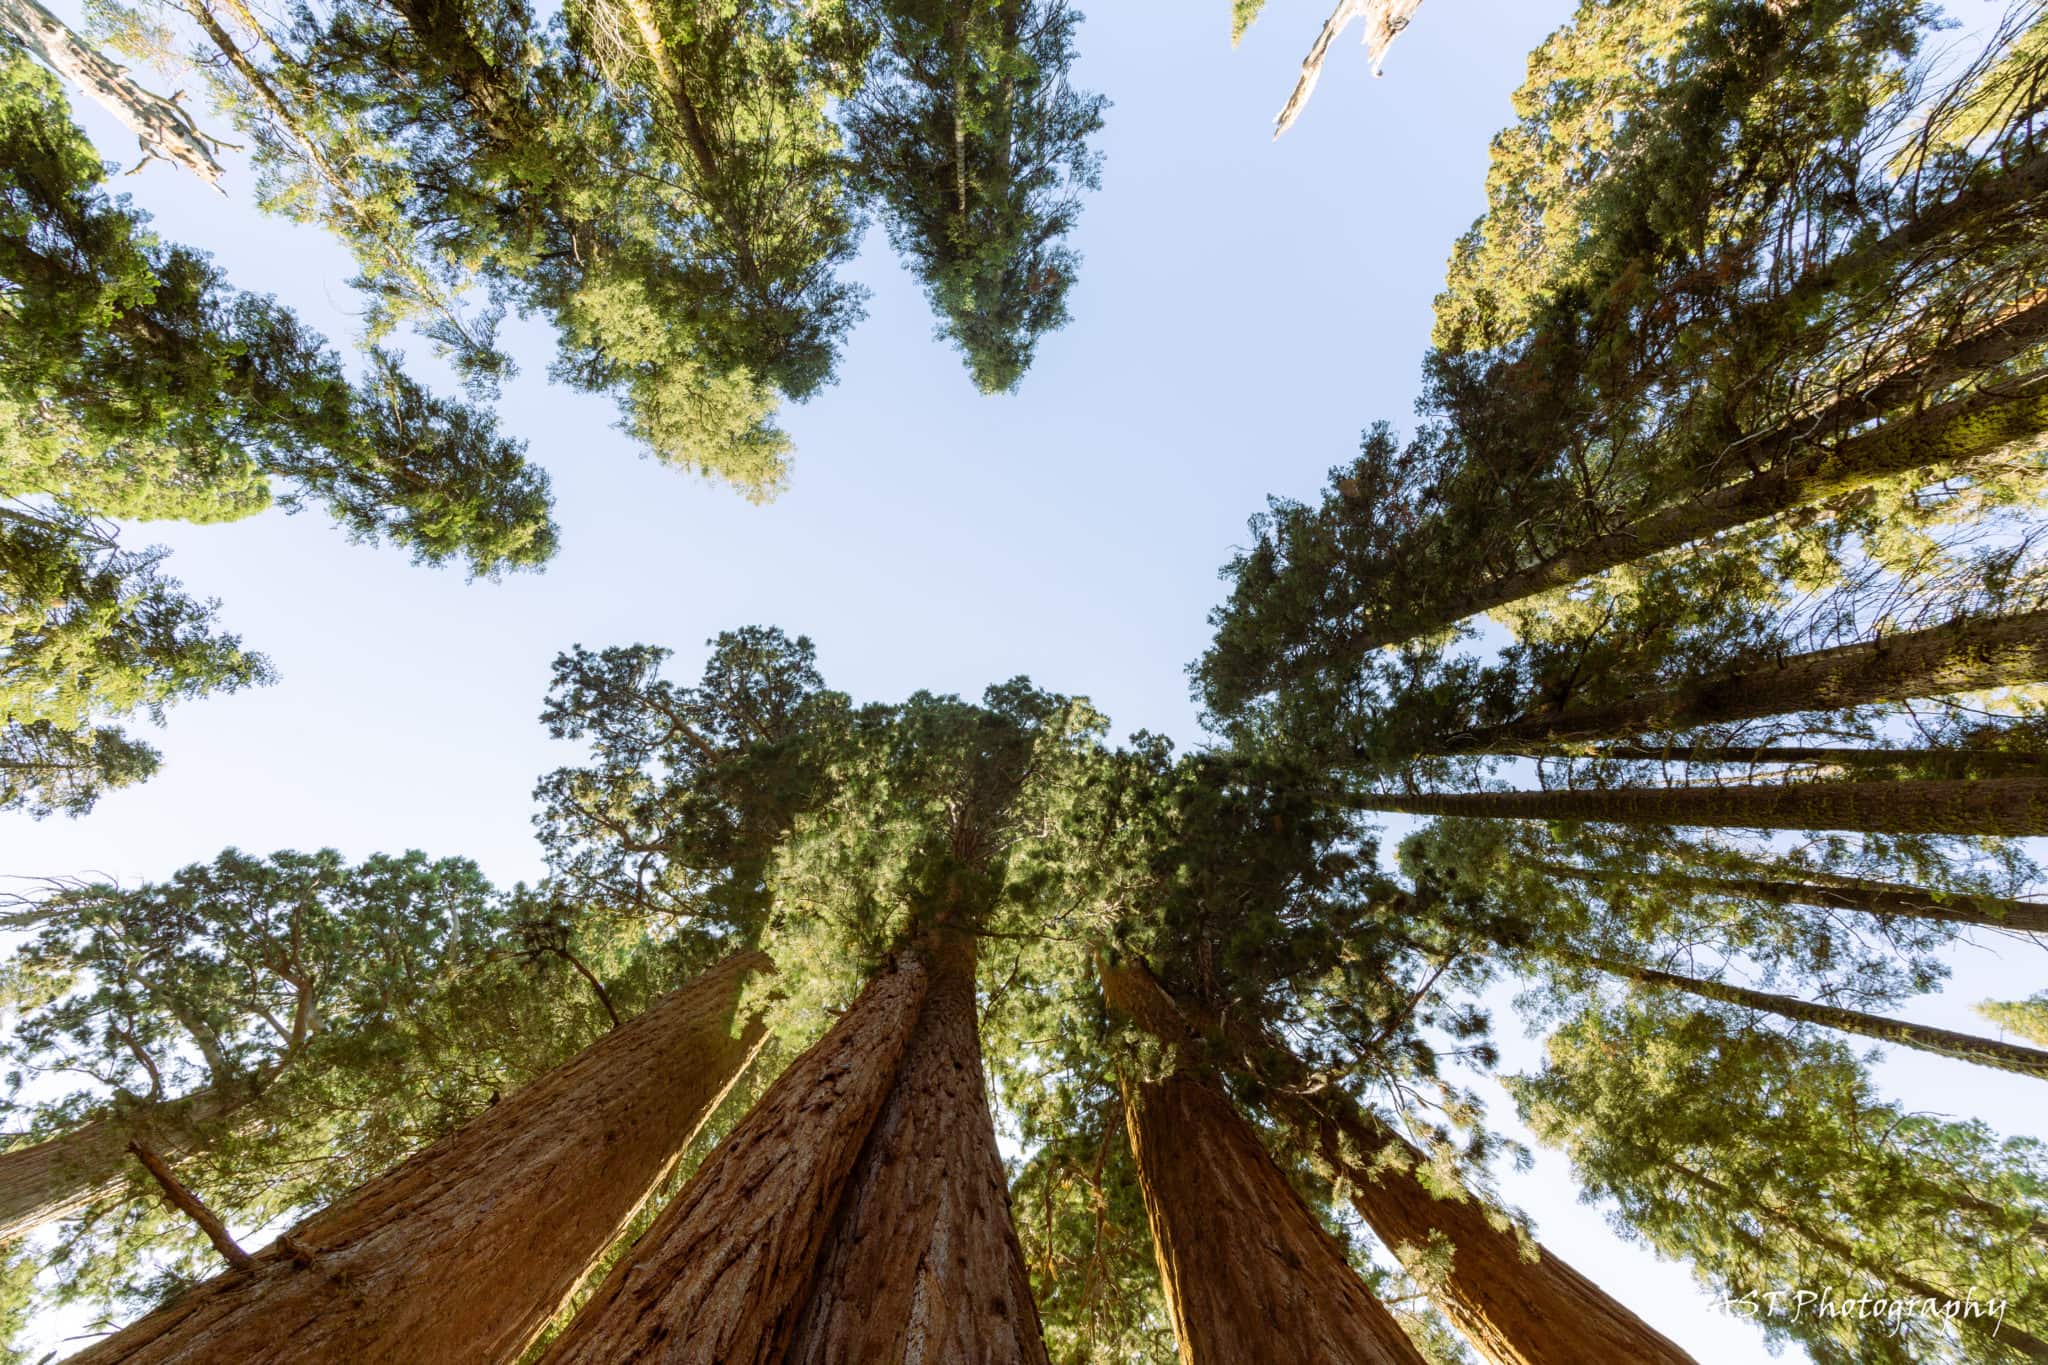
161	125
923	1261
463	1252
1966	1047
722	1275
1248	1272
1961	656
1947	763
59	1176
1874	898
1517	1303
2014	806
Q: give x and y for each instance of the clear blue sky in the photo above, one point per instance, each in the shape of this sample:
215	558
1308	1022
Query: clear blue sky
1245	307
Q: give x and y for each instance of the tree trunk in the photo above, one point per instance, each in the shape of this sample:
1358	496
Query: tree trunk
923	1261
1248	1272
161	125
722	1275
1876	898
60	1176
1966	1047
464	1252
1384	20
1961	656
2015	806
1947	763
1515	1302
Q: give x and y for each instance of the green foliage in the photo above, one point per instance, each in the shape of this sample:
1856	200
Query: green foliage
1771	1165
975	146
2028	1018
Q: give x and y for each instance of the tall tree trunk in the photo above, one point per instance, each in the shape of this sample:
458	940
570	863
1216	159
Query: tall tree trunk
1966	1047
1948	763
1248	1272
1876	898
1513	1300
1960	656
722	1275
463	1252
1517	1303
923	1261
161	125
59	1176
2016	806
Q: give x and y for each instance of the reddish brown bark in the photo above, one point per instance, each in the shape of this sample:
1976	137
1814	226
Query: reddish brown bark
464	1252
1248	1272
1515	1308
723	1274
923	1261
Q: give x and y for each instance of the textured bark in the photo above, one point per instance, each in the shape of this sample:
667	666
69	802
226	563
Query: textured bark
1876	898
923	1261
1961	656
1248	1272
1966	1047
463	1252
1384	20
161	125
48	1180
722	1275
1516	1306
2013	806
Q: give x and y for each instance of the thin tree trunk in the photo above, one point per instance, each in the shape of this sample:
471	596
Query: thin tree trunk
1876	898
1966	1047
1960	656
1517	1303
60	1176
161	125
1948	763
923	1261
192	1206
464	1252
1883	1270
1248	1272
2014	806
722	1275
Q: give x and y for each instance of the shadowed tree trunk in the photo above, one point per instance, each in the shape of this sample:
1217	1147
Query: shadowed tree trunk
463	1252
2014	806
59	1176
923	1262
1876	898
1966	1047
1961	656
1248	1272
1947	763
722	1275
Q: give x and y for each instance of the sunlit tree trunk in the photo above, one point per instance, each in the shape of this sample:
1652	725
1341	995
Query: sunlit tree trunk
1967	1047
1248	1272
923	1261
722	1275
1517	1303
1946	763
63	1175
1962	656
463	1252
2009	806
